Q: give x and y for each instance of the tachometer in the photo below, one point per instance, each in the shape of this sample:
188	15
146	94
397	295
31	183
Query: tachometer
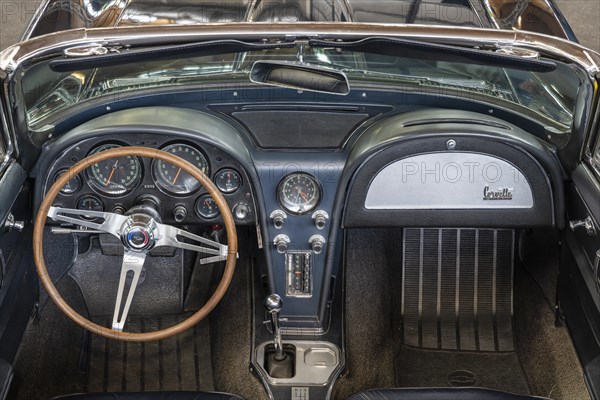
173	179
116	176
299	193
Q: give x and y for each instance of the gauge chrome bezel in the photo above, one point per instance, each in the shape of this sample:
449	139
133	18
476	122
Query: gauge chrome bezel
93	183
197	210
77	177
164	187
89	196
219	172
294	208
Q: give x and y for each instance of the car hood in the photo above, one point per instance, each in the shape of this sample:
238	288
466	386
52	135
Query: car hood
535	15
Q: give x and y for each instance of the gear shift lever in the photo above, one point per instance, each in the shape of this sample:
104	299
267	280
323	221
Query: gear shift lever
273	304
278	363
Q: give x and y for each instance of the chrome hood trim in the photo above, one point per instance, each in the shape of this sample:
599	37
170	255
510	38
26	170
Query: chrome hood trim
54	44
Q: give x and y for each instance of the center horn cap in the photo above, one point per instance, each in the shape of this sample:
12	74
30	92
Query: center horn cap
139	236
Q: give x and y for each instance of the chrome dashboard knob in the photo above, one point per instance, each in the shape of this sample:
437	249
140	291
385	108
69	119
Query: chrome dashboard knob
317	243
281	243
179	213
278	218
320	217
241	211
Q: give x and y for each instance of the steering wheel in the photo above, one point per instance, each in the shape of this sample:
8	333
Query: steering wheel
139	233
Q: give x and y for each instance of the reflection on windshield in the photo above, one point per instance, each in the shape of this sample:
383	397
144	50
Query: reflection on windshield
550	94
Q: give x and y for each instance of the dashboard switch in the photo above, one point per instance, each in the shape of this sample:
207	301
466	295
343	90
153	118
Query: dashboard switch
281	243
119	210
317	242
179	213
320	217
278	218
241	211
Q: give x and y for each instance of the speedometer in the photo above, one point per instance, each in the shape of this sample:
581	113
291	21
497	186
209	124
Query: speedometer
173	179
299	193
115	176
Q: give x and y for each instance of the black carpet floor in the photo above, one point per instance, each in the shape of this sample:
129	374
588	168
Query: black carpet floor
52	360
181	362
543	364
49	360
231	333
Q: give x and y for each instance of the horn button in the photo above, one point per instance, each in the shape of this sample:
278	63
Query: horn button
139	233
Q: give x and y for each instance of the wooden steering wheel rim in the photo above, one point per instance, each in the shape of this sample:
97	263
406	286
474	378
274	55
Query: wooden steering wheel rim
42	271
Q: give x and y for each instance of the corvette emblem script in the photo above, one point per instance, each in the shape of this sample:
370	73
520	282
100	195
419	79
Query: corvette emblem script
503	193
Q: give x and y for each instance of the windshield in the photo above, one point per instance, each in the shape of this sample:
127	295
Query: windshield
549	95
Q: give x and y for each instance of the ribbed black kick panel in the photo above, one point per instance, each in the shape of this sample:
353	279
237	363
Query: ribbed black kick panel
181	362
435	368
457	289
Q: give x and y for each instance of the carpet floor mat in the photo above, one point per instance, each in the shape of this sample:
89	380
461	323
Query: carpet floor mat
182	362
457	289
434	368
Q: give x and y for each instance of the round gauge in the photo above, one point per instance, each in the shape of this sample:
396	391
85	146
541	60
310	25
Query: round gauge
115	176
228	180
90	203
206	207
72	186
299	193
173	179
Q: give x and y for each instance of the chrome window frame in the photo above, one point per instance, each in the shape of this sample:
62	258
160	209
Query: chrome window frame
592	145
6	142
593	156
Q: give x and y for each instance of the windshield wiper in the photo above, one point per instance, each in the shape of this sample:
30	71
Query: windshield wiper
118	56
437	52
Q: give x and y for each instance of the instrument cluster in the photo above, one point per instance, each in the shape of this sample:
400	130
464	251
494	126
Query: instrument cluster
118	184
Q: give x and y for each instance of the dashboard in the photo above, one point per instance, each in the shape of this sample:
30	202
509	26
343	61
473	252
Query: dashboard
117	185
301	197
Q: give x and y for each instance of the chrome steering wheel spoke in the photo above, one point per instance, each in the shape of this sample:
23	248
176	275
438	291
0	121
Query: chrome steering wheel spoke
111	223
173	237
132	262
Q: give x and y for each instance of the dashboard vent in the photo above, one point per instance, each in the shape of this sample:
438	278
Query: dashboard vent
433	121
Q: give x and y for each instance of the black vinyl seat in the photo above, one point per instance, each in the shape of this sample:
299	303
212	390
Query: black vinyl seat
152	396
439	394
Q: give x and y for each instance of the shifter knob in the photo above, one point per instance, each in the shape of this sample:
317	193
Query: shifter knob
273	303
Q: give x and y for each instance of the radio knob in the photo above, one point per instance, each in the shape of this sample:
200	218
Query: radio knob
281	243
317	243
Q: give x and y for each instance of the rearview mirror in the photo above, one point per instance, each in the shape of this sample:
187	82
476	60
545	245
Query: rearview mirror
300	76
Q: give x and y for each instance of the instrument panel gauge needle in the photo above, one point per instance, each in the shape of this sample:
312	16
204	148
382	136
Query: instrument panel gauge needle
176	176
112	172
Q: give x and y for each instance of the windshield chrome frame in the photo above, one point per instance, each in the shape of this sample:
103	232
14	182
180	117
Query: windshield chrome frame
55	44
6	128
